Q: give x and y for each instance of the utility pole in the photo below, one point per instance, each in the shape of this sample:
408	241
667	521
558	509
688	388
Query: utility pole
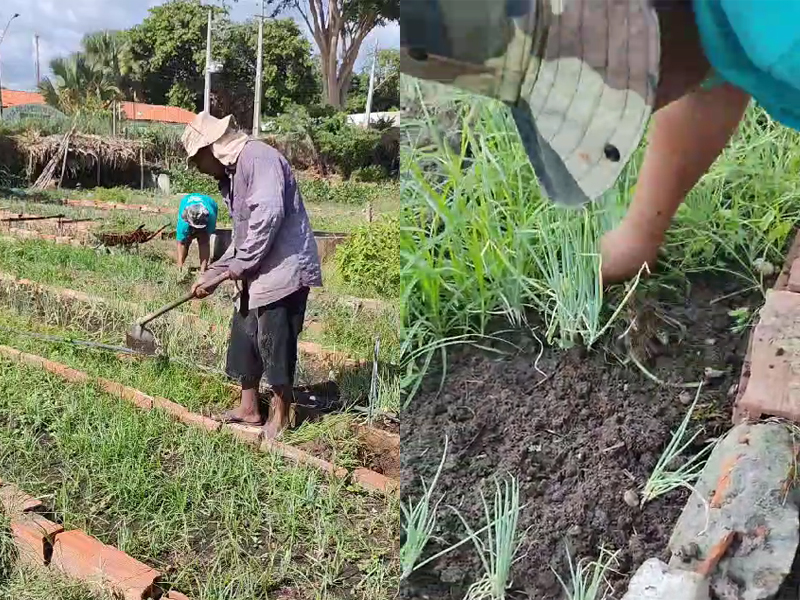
259	69
36	48
2	36
207	93
371	86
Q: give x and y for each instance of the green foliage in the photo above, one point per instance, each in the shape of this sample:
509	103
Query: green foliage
181	95
115	195
334	143
190	180
370	174
386	94
78	86
346	146
346	192
347	23
369	261
287	75
169	46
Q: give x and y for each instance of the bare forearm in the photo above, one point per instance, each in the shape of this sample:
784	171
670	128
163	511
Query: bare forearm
204	247
182	252
687	137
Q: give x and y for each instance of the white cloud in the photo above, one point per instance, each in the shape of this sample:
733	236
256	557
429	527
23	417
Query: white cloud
61	24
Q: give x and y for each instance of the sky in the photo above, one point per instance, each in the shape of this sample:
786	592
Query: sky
61	24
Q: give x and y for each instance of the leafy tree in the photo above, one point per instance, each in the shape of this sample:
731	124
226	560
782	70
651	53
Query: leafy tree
339	28
386	95
287	75
170	46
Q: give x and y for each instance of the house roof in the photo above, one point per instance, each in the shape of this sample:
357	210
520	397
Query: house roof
15	98
135	111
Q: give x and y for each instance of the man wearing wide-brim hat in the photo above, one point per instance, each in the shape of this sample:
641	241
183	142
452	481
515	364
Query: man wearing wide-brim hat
273	260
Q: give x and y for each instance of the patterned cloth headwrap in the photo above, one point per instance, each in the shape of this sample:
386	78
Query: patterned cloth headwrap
580	76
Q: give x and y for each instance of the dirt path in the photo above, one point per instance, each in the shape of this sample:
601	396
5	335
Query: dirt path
576	442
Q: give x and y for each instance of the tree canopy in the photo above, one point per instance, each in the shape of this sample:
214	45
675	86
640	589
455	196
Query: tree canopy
339	28
162	61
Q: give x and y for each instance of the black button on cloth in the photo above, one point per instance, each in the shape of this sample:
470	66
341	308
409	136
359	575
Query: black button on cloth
612	153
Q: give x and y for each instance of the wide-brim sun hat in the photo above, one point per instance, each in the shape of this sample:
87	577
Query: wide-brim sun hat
580	77
203	131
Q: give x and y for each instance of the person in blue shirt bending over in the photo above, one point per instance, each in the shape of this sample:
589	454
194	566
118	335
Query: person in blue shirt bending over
197	220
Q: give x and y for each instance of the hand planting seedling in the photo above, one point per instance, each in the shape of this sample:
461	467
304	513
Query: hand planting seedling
699	101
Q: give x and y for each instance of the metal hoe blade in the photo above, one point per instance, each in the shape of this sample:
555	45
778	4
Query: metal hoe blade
141	339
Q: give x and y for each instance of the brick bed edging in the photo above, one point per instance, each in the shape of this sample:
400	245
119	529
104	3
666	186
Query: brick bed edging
366	478
769	383
41	543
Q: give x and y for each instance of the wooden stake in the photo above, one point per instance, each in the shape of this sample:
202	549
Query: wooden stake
63	165
141	168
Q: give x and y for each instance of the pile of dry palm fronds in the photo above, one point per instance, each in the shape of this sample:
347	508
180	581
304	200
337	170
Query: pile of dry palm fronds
84	152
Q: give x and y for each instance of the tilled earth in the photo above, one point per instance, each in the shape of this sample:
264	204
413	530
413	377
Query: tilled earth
577	429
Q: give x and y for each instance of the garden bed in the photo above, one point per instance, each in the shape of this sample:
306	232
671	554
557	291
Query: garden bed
190	504
578	429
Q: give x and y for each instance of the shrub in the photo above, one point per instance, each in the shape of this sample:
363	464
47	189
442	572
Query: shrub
346	146
369	261
326	138
370	174
345	192
115	195
191	181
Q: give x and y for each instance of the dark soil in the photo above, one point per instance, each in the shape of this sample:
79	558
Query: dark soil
576	438
377	458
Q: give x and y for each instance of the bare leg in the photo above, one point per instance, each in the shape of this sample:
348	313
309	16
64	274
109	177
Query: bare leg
204	244
687	137
279	411
249	410
182	252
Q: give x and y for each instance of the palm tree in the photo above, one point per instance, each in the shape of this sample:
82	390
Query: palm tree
78	86
109	51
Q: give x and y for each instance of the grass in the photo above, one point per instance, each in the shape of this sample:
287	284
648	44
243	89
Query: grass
502	542
673	470
419	523
482	248
222	521
588	578
27	584
199	391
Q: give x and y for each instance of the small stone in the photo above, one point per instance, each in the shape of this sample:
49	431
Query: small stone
656	581
710	341
631	498
685	398
713	373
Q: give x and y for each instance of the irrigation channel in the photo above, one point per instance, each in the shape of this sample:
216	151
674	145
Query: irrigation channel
205	506
585	433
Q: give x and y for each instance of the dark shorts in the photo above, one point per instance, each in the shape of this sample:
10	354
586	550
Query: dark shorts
264	341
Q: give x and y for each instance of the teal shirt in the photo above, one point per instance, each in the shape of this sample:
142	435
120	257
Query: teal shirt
755	45
182	229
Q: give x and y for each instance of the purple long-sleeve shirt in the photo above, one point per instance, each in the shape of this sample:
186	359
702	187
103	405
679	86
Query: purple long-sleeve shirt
273	248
